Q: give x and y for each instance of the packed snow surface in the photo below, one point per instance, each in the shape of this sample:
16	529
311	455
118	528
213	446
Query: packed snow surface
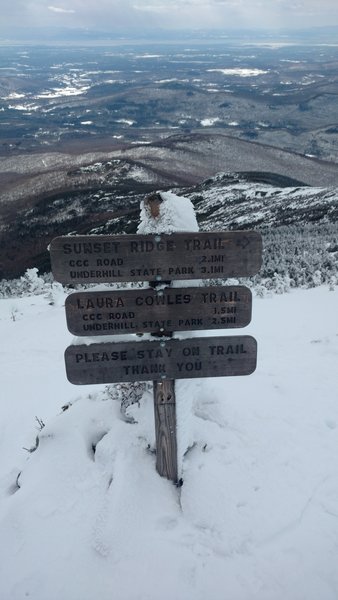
86	517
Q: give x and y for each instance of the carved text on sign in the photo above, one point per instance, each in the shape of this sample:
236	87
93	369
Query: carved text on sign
149	310
166	359
79	259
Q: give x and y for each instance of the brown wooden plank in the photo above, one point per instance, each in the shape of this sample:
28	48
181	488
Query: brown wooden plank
161	359
156	257
154	310
165	429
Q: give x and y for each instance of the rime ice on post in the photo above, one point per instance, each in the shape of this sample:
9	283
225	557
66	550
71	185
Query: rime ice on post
167	213
164	212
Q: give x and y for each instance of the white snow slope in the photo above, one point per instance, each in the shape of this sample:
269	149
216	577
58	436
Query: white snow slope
257	516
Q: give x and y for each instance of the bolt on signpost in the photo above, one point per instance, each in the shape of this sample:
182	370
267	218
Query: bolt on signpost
160	310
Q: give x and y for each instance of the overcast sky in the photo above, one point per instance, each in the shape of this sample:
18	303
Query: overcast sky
174	14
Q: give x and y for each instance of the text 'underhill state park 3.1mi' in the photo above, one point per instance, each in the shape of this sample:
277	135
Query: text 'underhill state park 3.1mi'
158	258
161	257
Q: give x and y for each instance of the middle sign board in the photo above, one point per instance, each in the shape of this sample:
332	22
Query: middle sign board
158	310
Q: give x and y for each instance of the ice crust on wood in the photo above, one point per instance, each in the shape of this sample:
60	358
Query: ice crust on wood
176	214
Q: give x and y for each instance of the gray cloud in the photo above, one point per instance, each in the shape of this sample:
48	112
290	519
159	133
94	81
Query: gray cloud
58	9
134	14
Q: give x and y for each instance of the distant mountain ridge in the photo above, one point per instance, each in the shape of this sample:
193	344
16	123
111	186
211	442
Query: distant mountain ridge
250	200
179	160
246	200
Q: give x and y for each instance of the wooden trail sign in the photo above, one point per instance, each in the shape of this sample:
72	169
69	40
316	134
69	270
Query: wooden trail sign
159	258
158	310
156	257
161	359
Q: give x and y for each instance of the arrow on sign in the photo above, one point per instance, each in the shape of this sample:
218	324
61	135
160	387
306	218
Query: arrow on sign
243	243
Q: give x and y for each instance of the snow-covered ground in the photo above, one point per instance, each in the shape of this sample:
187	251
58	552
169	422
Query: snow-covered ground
257	516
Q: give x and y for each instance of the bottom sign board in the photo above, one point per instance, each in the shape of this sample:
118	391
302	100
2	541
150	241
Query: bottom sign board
161	359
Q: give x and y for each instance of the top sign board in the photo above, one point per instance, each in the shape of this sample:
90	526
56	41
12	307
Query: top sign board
156	257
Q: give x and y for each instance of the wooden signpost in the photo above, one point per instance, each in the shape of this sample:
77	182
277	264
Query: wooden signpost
160	310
